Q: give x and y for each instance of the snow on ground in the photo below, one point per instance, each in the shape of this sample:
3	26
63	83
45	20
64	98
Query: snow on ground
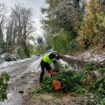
22	81
35	66
65	65
88	56
6	64
15	101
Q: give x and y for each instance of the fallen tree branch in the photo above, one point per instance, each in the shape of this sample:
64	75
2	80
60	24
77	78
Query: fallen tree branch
72	60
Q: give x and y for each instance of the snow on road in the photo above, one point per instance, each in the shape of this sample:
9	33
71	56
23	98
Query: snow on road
17	66
24	66
28	68
6	64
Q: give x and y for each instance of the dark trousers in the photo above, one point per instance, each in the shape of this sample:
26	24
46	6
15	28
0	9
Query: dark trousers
44	66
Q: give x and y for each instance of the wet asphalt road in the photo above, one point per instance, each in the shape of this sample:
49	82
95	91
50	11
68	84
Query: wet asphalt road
21	67
16	71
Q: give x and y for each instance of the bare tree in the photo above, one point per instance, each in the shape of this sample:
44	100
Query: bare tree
11	36
2	20
21	27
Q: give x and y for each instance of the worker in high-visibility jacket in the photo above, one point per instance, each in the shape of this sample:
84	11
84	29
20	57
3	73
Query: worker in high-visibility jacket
46	62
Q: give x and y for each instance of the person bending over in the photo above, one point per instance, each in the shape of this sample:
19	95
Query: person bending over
46	62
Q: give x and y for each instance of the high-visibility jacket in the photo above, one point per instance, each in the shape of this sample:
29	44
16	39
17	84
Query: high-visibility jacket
47	59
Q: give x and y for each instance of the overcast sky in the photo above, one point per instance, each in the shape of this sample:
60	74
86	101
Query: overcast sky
35	5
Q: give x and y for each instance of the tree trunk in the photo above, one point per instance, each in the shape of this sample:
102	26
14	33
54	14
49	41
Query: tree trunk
26	49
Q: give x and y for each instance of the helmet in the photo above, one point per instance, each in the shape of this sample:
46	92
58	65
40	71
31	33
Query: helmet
54	55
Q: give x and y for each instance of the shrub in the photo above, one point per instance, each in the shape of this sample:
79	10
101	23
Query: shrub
4	78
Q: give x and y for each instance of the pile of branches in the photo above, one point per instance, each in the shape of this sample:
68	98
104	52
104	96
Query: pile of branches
84	82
